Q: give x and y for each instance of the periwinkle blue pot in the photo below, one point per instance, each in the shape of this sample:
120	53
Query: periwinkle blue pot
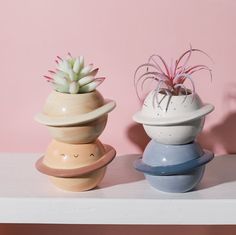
173	168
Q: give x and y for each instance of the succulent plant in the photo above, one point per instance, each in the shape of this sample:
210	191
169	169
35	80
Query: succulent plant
169	79
72	76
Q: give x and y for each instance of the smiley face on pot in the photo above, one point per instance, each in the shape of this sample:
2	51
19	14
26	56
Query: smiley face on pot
69	160
68	156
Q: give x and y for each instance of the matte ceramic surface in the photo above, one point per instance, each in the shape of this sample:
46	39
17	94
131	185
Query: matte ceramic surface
76	167
187	132
79	184
160	109
63	109
157	154
80	133
77	171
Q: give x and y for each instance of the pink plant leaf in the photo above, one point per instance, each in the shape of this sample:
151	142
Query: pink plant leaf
146	74
156	74
189	53
146	79
94	72
158	67
163	62
51	71
58	57
142	66
48	78
187	76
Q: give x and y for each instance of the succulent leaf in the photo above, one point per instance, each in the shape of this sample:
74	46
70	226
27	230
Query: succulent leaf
85	80
92	85
72	76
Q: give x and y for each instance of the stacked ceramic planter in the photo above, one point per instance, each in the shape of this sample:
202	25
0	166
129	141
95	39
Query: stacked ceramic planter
75	160
173	161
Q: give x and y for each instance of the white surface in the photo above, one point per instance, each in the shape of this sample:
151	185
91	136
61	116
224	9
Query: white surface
124	197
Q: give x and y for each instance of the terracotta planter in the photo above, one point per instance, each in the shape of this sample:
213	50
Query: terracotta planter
76	167
75	118
173	119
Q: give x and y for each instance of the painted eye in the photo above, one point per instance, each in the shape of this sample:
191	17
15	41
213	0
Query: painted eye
91	155
62	154
76	155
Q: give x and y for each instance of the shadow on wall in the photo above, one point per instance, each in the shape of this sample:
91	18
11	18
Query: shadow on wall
223	134
138	136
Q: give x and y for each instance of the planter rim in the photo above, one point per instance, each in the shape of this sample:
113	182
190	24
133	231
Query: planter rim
168	121
76	172
107	107
176	169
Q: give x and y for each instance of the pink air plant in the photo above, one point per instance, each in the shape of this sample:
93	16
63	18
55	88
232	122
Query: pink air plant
72	76
169	79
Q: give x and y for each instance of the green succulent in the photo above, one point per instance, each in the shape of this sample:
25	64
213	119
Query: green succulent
72	76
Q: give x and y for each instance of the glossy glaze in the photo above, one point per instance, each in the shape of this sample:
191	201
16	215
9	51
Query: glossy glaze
179	159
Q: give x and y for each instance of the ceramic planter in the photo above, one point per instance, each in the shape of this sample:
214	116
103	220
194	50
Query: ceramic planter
80	133
173	119
75	160
75	118
76	167
172	161
173	168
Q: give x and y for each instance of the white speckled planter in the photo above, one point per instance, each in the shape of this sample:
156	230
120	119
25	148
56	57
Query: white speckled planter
173	119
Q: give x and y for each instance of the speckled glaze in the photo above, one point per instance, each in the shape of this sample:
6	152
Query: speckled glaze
157	154
67	157
163	116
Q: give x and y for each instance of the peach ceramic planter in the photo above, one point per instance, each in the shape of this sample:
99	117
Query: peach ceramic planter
76	167
75	160
173	119
75	118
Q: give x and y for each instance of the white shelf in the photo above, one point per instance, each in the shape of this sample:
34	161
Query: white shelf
124	197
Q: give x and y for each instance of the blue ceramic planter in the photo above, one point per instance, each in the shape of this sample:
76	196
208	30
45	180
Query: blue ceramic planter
173	168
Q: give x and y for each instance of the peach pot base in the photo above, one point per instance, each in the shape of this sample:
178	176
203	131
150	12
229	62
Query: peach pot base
79	184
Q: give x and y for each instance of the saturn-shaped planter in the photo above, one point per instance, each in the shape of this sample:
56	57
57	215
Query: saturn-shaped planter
170	119
172	115
75	118
173	168
75	114
76	167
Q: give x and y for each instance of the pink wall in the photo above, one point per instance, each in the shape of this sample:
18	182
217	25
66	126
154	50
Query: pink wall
116	36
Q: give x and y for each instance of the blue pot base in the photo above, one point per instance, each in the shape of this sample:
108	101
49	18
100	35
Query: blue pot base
174	169
177	183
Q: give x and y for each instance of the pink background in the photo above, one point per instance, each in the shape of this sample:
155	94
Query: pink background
117	36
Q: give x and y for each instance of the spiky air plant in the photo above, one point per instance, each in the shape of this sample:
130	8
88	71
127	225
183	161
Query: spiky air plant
170	80
72	76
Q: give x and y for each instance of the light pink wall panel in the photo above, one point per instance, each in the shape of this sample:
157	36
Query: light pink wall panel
117	36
